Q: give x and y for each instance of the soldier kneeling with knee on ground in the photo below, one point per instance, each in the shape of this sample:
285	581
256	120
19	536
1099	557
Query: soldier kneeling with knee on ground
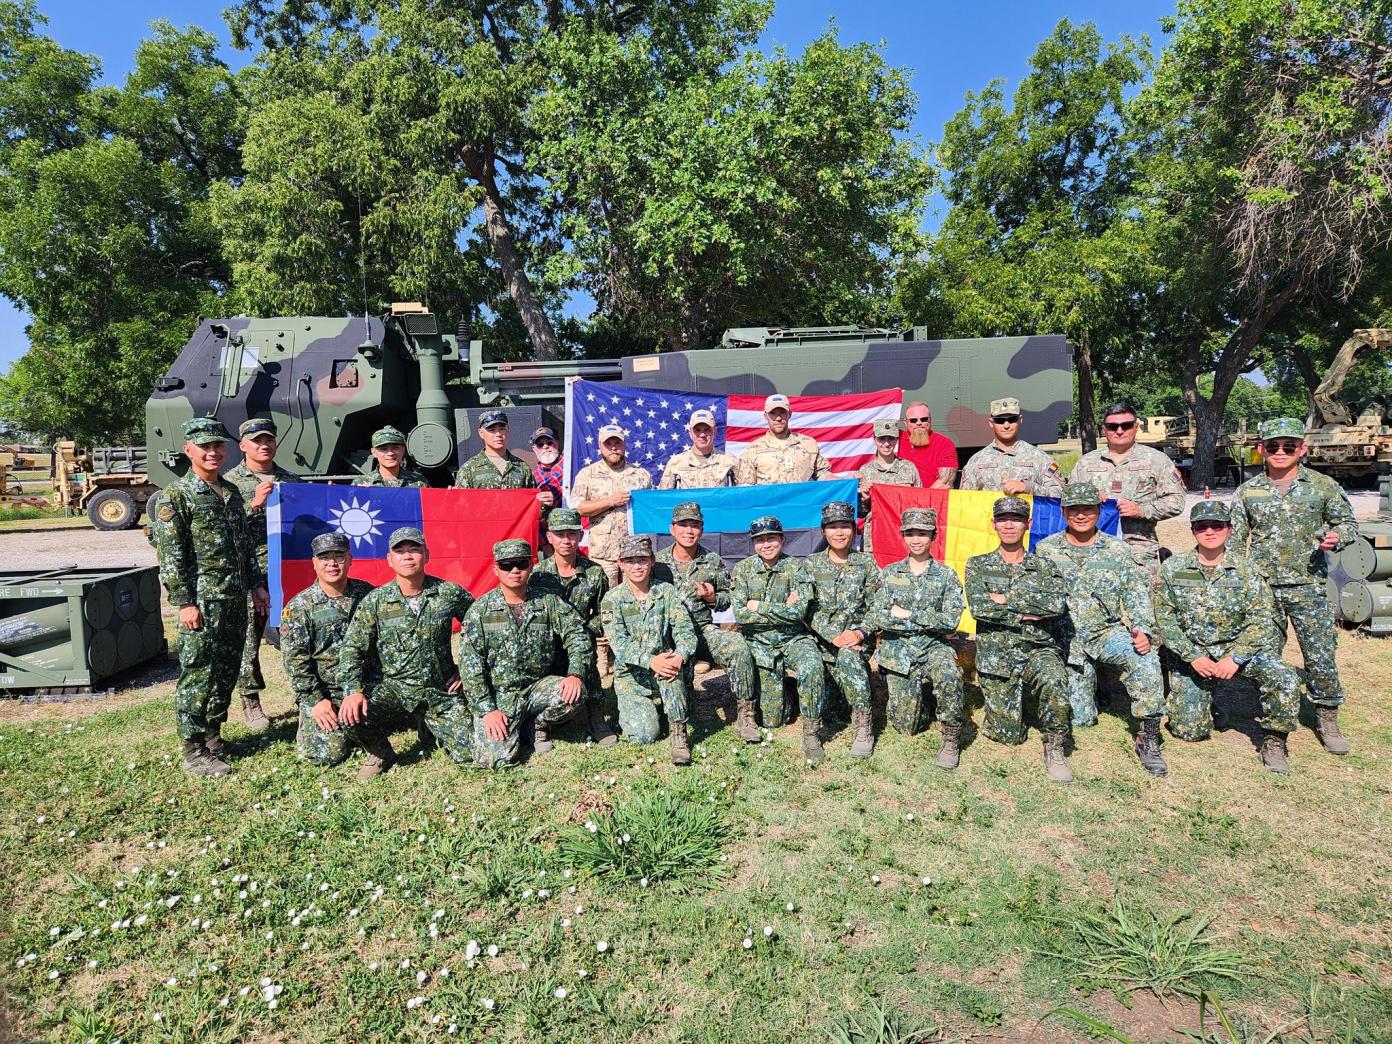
653	640
400	636
312	629
1214	614
919	603
505	656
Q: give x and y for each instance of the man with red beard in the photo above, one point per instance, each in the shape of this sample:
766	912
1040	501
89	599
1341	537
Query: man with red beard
932	452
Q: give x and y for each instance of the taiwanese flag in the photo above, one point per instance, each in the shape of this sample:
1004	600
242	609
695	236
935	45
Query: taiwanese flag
460	526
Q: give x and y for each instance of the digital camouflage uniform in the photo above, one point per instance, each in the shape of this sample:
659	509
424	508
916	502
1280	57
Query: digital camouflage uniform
914	654
796	458
842	598
504	660
690	470
608	528
1018	659
776	634
1225	613
407	477
206	559
250	681
479	472
400	659
726	649
900	472
1284	531
1146	476
1022	462
1109	593
638	629
583	591
313	626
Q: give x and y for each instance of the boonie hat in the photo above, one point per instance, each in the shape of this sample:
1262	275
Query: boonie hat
387	436
764	525
918	518
256	426
326	542
204	431
1010	507
405	535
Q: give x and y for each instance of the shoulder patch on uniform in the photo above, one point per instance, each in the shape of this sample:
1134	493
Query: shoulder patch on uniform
166	513
1053	467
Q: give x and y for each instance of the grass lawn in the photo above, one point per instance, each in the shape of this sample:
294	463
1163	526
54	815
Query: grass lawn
755	899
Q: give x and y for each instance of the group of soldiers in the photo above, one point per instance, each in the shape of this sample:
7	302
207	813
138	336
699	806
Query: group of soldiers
363	662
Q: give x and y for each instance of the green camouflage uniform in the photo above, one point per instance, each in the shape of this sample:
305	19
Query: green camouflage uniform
409	477
1146	476
479	472
583	591
1022	462
207	559
250	681
1226	613
1109	595
843	594
504	664
1019	659
638	629
914	653
776	634
312	628
1284	530
725	649
411	650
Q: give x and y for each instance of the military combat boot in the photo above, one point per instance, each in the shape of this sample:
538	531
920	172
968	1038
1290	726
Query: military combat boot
1054	759
681	749
541	742
1273	752
950	753
600	731
812	740
380	757
216	745
864	744
1148	747
253	715
1327	729
745	726
199	762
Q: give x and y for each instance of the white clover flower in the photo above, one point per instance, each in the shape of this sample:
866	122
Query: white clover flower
243	991
171	981
592	827
643	883
874	878
748	943
373	966
788	907
562	993
487	1003
421	976
405	963
472	950
565	922
581	972
602	945
52	975
927	880
768	931
493	950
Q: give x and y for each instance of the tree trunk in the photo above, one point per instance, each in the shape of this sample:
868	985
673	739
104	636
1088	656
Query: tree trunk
1208	426
1087	394
500	238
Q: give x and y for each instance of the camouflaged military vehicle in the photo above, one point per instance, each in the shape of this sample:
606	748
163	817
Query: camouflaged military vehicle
330	382
1342	445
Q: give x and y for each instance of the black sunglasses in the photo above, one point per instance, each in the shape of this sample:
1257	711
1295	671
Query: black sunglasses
1006	418
917	420
520	564
1281	446
1209	525
1119	425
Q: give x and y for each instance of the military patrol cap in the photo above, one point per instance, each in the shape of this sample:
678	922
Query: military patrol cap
611	431
1281	428
636	547
492	417
387	436
1010	507
765	524
204	431
918	518
886	427
777	402
326	542
1210	511
256	426
1004	407
700	417
505	550
563	520
543	433
1079	494
405	535
837	511
688	511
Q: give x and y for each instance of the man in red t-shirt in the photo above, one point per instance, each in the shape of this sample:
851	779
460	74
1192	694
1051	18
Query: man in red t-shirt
933	453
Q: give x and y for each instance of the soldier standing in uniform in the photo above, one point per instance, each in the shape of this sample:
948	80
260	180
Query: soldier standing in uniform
400	637
1021	607
653	640
312	628
931	452
1143	481
919	603
389	462
780	455
700	578
887	469
207	565
581	585
1213	610
843	583
700	466
1010	464
1112	620
506	652
772	595
601	493
1285	520
254	478
494	466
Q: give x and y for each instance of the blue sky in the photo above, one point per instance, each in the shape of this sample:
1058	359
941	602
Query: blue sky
951	48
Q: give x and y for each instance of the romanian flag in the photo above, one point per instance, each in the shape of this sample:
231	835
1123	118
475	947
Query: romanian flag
460	526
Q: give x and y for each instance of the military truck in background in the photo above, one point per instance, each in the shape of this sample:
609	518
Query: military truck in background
1342	445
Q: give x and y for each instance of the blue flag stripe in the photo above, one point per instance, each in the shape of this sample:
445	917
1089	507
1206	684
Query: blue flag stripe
1046	519
798	505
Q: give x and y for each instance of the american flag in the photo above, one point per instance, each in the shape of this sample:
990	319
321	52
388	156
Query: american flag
655	423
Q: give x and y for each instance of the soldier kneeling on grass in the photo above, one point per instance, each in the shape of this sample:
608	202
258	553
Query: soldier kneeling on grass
653	640
312	628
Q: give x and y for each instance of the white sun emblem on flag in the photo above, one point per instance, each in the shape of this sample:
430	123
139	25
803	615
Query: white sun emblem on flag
357	521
